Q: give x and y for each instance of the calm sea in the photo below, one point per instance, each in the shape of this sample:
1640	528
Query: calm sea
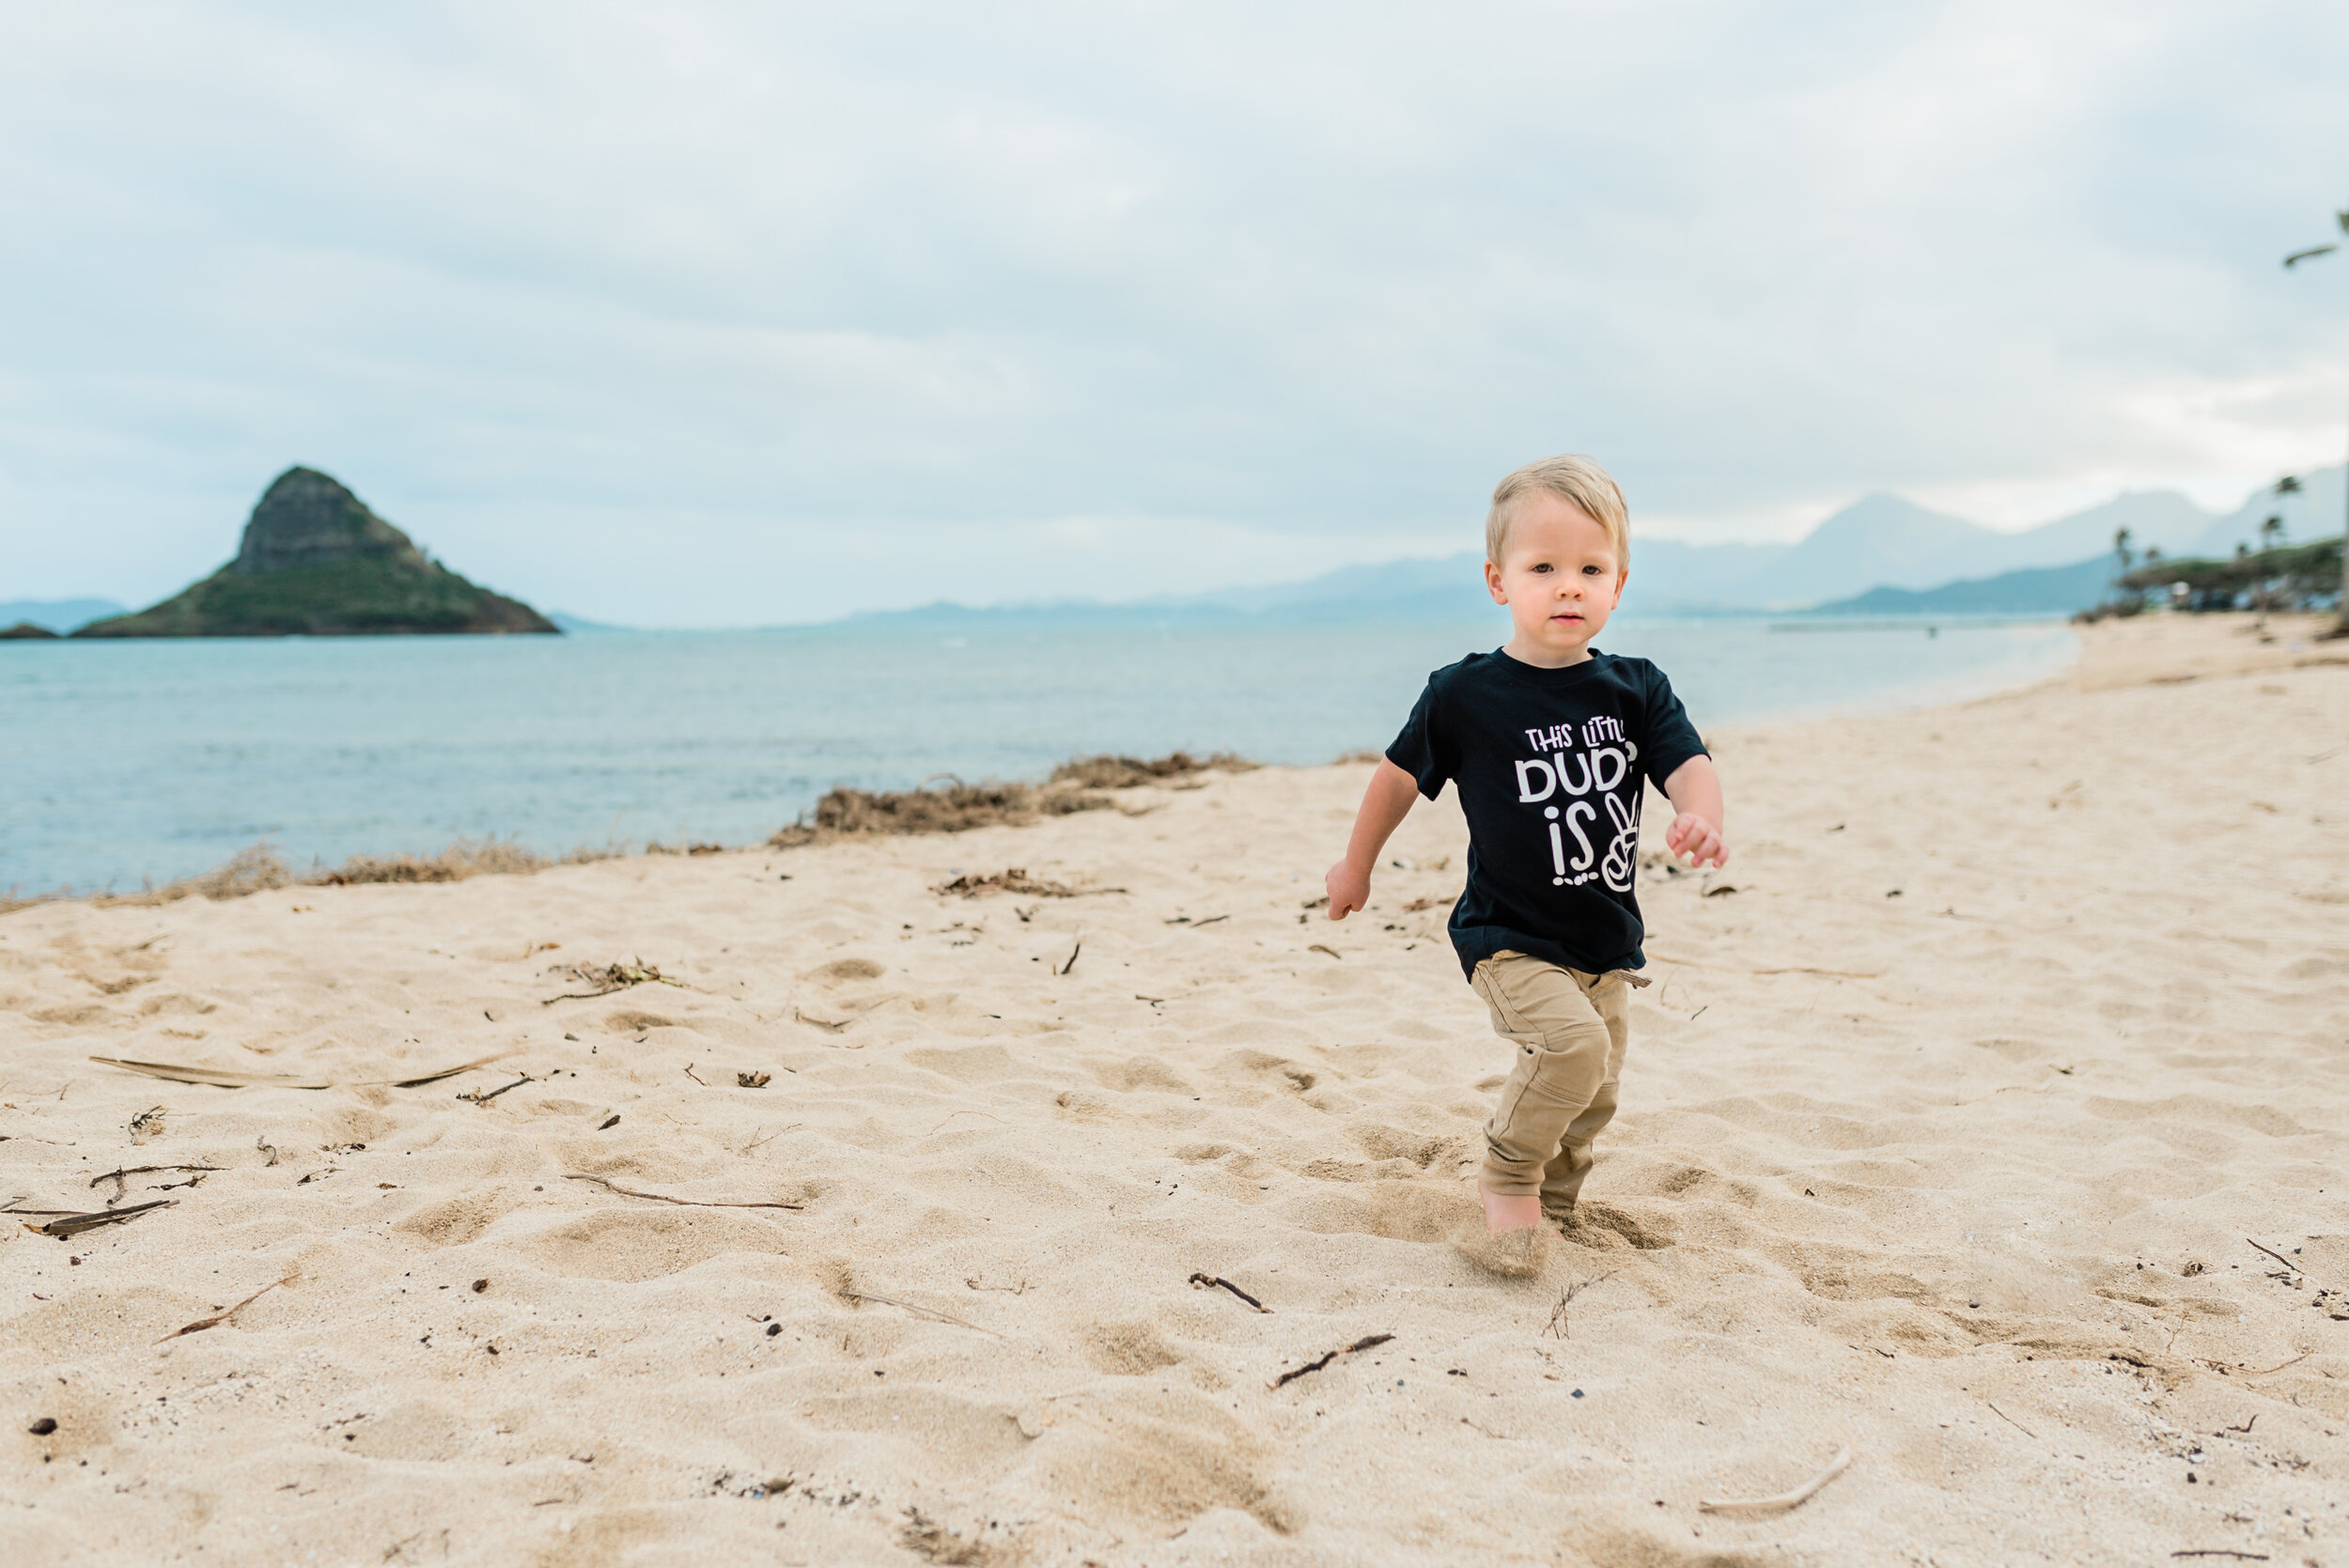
149	760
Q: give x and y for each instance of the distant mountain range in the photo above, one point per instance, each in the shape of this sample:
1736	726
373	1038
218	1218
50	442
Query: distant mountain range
1880	556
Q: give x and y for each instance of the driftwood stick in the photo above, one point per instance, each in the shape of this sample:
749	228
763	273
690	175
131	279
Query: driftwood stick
1217	1282
664	1198
218	1318
479	1098
2278	1256
2011	1421
1784	1501
1318	1362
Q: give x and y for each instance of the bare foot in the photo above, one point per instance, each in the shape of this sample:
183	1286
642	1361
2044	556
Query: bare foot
1502	1215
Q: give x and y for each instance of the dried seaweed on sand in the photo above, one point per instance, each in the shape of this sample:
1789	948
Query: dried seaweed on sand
74	1225
946	804
604	978
1105	772
260	868
1014	880
464	859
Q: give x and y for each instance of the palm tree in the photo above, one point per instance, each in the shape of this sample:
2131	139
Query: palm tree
2340	623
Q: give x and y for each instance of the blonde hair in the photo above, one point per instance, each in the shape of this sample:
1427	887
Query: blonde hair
1571	478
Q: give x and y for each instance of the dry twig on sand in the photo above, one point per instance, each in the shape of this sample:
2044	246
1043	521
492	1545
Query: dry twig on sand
1784	1501
1559	1328
664	1198
1217	1282
118	1172
220	1317
918	1311
479	1098
2011	1421
1365	1342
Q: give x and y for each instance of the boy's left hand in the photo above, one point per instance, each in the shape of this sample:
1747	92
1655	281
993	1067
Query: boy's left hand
1700	840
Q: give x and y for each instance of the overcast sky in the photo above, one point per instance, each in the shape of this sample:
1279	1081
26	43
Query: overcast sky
689	313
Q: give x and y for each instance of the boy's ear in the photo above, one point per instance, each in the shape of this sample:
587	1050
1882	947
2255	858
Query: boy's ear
1492	583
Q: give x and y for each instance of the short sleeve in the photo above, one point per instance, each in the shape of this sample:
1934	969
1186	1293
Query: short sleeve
1422	750
1670	740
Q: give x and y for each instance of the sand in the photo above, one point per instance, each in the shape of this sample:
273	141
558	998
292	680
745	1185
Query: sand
1943	1136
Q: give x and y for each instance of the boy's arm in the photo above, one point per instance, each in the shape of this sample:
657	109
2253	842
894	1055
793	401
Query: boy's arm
1695	791
1385	804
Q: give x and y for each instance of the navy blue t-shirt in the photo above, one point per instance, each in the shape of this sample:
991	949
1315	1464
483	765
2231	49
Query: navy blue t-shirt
1549	765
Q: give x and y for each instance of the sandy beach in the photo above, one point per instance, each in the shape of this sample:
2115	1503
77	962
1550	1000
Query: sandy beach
1950	1124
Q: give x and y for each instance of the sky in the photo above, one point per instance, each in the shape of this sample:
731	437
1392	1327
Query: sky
706	314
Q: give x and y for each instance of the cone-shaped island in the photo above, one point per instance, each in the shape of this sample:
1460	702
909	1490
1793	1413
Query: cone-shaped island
316	563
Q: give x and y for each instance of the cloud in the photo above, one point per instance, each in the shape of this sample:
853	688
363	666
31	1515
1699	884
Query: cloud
711	313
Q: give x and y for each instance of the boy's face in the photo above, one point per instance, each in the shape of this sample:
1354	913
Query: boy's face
1561	582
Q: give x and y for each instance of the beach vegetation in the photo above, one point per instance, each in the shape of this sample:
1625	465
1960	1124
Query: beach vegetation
2300	576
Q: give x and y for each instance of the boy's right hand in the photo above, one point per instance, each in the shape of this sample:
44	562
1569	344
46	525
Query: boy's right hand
1349	889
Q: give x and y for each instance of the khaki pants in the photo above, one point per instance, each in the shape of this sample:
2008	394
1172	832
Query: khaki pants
1570	1029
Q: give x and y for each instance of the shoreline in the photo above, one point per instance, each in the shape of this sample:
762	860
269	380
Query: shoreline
247	863
1943	1126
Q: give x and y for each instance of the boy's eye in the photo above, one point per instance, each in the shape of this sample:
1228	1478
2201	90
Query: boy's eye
1590	572
1542	567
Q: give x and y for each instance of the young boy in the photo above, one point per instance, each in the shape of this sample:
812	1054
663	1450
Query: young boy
1549	742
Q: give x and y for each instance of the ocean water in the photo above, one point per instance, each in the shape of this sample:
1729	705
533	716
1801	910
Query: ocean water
144	761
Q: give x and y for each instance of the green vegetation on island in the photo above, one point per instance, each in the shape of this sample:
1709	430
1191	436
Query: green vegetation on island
316	561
